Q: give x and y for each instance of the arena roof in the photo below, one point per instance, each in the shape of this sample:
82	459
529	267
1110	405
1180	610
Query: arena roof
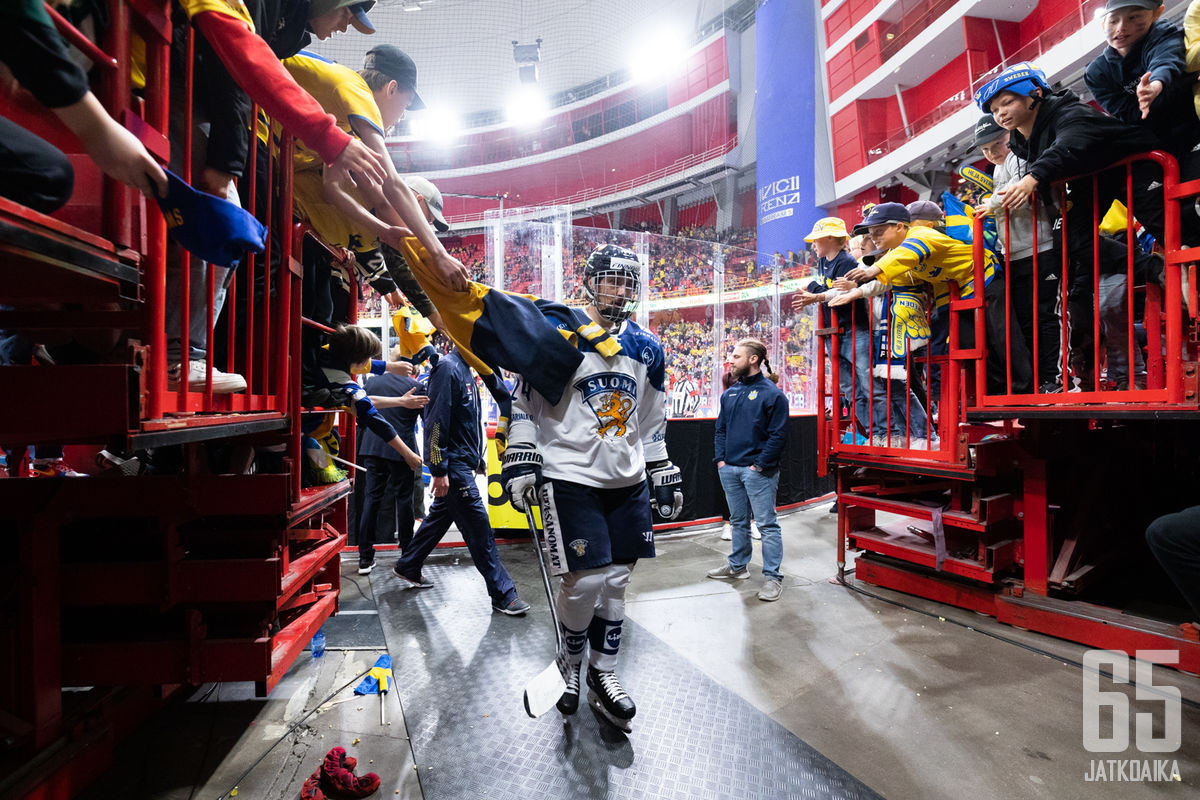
464	48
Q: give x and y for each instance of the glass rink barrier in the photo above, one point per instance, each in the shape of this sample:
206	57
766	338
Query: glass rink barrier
699	297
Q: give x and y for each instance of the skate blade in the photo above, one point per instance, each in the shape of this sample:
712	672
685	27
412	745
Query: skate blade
544	690
624	725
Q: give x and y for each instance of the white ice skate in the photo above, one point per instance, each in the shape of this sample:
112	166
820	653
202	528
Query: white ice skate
608	699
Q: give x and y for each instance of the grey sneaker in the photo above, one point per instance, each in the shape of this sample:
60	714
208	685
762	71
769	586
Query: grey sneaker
726	572
771	590
514	608
410	583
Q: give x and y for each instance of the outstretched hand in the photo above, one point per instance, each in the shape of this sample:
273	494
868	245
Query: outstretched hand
1147	92
413	401
1018	194
453	272
803	299
120	155
848	297
364	162
862	274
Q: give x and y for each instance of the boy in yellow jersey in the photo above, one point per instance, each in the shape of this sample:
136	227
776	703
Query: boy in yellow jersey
931	256
365	104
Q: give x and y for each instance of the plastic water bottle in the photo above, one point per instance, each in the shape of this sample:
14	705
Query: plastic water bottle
318	643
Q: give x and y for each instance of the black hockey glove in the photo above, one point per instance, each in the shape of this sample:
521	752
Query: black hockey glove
667	485
521	470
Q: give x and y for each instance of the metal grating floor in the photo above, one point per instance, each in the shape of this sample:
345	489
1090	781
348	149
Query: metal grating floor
460	670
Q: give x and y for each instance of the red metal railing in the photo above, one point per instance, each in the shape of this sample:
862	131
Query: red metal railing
256	348
890	424
1168	381
1170	329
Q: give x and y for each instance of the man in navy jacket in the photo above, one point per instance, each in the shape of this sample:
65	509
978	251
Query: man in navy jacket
749	440
454	453
388	500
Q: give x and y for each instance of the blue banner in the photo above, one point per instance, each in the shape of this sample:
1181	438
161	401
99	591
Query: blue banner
785	133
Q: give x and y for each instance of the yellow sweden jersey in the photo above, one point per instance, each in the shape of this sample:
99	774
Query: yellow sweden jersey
936	258
343	93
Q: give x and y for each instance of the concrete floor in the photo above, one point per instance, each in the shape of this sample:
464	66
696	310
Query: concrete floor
911	703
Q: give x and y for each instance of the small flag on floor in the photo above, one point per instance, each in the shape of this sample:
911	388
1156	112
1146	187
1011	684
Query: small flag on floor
376	682
378	678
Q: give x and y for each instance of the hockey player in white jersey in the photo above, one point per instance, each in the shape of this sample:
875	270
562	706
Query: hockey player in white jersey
598	458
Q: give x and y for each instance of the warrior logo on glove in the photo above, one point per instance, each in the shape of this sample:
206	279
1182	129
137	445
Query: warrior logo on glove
666	485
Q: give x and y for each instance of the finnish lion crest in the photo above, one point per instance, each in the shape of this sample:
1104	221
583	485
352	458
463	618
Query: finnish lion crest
612	397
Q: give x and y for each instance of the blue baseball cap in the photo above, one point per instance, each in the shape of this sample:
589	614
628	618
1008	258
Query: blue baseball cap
882	214
209	227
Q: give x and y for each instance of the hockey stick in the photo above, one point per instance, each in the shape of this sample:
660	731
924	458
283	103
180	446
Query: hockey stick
543	691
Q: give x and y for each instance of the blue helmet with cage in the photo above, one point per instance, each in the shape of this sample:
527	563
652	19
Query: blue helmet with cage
1022	79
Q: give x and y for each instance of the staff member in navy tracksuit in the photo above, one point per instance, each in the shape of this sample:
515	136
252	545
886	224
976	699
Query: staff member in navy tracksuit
751	433
454	453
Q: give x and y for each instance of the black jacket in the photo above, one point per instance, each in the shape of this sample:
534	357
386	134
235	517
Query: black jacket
1113	80
283	24
404	420
1071	138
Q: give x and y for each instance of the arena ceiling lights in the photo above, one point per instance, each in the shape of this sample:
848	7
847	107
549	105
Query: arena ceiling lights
527	106
437	125
659	56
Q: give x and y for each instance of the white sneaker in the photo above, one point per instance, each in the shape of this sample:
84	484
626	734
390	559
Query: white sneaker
727	533
222	382
754	534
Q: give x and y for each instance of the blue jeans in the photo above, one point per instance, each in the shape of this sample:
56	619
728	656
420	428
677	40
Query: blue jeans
463	506
748	490
854	374
197	307
907	420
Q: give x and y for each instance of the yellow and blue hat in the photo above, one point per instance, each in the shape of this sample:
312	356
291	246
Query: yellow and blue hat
828	226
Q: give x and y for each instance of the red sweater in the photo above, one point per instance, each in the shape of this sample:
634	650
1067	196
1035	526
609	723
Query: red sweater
262	75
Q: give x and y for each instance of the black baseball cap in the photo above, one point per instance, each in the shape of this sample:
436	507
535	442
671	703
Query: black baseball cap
397	65
986	130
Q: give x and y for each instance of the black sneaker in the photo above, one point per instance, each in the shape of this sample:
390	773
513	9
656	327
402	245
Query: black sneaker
514	608
410	583
365	569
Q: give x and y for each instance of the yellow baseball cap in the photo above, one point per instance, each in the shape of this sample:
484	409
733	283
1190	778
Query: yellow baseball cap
828	226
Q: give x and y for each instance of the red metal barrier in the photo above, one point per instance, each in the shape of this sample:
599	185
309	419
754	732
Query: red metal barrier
887	435
1168	380
216	576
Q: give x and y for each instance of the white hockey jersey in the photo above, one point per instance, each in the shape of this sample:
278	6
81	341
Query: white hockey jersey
612	417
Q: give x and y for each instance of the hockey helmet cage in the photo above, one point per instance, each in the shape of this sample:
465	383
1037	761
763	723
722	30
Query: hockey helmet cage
612	282
1022	79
